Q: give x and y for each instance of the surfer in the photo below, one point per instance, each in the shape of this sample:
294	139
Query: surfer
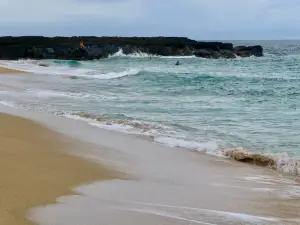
177	63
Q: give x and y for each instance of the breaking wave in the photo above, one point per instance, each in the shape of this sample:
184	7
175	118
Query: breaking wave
111	75
280	162
140	54
71	69
7	103
123	124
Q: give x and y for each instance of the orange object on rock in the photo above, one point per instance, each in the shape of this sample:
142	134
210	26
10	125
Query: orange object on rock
82	45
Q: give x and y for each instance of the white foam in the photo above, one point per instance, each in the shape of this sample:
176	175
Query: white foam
181	212
263	179
289	192
49	93
239	216
128	199
177	142
140	54
282	161
105	125
115	127
179	57
287	164
8	103
112	75
33	67
207	147
168	215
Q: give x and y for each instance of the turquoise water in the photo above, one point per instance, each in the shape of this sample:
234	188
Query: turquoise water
201	104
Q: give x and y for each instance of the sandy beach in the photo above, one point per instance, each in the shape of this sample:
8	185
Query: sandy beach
168	185
34	170
11	71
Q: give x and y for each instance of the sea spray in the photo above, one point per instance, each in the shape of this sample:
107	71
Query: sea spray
280	162
139	54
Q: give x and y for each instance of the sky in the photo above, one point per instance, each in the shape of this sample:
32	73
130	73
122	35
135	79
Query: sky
197	19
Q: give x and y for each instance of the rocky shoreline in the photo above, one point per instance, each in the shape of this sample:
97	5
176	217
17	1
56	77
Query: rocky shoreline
89	48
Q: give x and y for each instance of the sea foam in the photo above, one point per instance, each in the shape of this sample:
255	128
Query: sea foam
140	54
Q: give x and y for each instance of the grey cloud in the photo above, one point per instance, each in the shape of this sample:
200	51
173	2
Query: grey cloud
205	19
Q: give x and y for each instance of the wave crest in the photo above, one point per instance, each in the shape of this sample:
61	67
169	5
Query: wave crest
139	54
66	68
141	126
280	162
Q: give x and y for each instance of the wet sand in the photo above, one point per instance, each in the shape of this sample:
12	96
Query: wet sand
34	170
11	71
168	185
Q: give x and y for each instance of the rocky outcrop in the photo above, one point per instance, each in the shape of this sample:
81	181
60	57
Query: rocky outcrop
36	47
244	51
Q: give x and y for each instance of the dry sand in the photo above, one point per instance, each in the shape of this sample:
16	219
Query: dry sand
11	71
33	171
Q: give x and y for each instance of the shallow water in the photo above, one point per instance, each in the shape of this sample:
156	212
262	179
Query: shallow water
164	185
201	104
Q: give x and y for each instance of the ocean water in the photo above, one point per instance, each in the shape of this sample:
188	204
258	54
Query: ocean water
203	104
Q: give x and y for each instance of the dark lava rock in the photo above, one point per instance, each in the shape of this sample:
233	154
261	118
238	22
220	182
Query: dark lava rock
37	47
227	54
244	51
203	53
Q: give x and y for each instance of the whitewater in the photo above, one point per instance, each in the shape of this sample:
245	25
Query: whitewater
204	105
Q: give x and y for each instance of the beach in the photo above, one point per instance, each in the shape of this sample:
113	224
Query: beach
182	187
11	71
35	170
137	141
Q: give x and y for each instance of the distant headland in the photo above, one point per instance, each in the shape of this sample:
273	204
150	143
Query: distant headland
89	47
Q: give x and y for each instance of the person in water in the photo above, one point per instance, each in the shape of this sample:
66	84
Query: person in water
177	63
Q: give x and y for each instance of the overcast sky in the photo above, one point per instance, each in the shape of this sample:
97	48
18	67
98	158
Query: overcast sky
199	19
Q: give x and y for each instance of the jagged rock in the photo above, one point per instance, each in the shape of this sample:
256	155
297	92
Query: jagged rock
227	46
239	48
35	47
12	52
203	53
244	51
50	50
227	54
129	49
95	52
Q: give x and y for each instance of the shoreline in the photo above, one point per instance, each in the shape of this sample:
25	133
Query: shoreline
36	168
88	48
4	70
180	179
